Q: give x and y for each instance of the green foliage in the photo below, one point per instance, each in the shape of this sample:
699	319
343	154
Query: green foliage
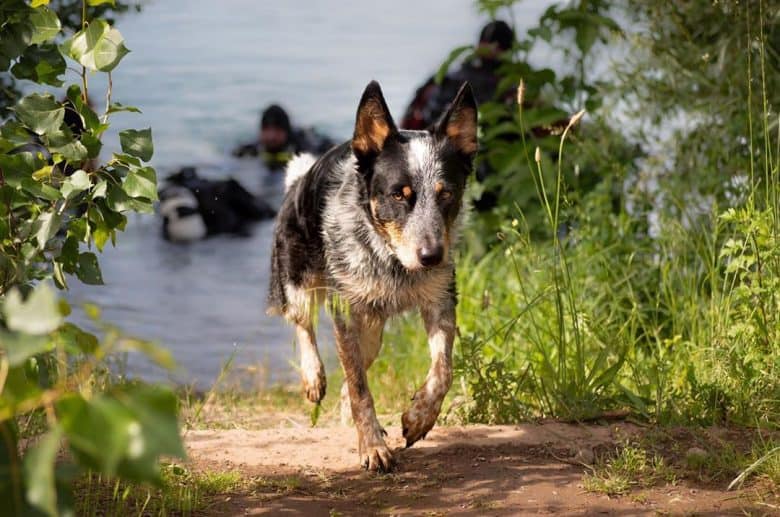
181	492
549	98
716	64
56	202
114	428
30	33
638	266
629	467
544	341
98	47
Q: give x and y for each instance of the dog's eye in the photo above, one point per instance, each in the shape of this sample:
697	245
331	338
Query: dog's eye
402	194
445	195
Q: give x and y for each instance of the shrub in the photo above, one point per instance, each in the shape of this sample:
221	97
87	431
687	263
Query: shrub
57	202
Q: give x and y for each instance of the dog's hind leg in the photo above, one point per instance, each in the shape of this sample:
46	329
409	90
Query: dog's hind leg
351	331
369	349
426	403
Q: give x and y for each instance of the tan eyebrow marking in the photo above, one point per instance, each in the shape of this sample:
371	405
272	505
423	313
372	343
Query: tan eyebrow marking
407	191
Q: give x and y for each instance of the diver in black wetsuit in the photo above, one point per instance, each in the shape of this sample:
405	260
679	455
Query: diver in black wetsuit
193	208
431	99
278	141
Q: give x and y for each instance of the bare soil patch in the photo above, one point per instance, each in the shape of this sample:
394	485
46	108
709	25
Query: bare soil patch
472	470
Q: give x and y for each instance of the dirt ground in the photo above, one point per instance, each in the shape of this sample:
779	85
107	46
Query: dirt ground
474	470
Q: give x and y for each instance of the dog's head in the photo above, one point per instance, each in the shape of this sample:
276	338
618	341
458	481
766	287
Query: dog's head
415	179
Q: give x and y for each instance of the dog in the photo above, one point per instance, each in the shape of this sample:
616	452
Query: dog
369	229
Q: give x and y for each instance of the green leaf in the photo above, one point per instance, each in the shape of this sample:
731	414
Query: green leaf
137	143
99	2
101	235
89	118
42	173
586	37
118	201
73	151
69	254
445	66
65	308
88	269
123	432
38	189
315	414
15	133
78	229
45	23
19	347
58	275
41	113
97	430
19	167
39	474
75	184
126	159
45	227
156	410
76	340
113	220
117	107
141	183
98	47
15	39
43	64
92	144
100	189
92	311
36	315
21	385
38	3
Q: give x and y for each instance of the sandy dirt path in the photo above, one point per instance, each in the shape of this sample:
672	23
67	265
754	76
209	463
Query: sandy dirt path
474	470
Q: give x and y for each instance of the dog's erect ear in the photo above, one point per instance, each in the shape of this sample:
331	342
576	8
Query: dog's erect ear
459	123
374	123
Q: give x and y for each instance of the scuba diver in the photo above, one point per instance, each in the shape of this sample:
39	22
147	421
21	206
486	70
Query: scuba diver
277	141
193	208
431	99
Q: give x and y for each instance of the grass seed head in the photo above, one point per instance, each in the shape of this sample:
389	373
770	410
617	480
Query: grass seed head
520	93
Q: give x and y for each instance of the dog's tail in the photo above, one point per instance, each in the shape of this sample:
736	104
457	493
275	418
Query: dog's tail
298	166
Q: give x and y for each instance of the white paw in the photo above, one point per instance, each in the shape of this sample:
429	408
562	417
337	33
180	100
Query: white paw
314	381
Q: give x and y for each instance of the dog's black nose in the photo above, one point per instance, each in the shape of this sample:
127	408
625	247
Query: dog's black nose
430	256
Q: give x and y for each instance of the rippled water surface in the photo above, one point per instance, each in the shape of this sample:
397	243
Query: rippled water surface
201	71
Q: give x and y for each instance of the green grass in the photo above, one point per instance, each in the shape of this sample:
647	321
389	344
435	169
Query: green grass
658	456
181	492
764	464
628	468
281	485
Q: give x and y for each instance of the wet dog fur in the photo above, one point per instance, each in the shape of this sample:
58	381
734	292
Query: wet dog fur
369	228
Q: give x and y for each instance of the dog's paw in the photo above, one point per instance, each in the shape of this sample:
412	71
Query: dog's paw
314	383
377	458
419	419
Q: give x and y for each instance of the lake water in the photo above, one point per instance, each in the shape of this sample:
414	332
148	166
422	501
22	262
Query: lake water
201	71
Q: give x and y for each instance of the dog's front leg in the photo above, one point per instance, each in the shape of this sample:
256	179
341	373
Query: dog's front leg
351	330
426	403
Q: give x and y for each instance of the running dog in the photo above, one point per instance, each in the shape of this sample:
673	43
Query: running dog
369	228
